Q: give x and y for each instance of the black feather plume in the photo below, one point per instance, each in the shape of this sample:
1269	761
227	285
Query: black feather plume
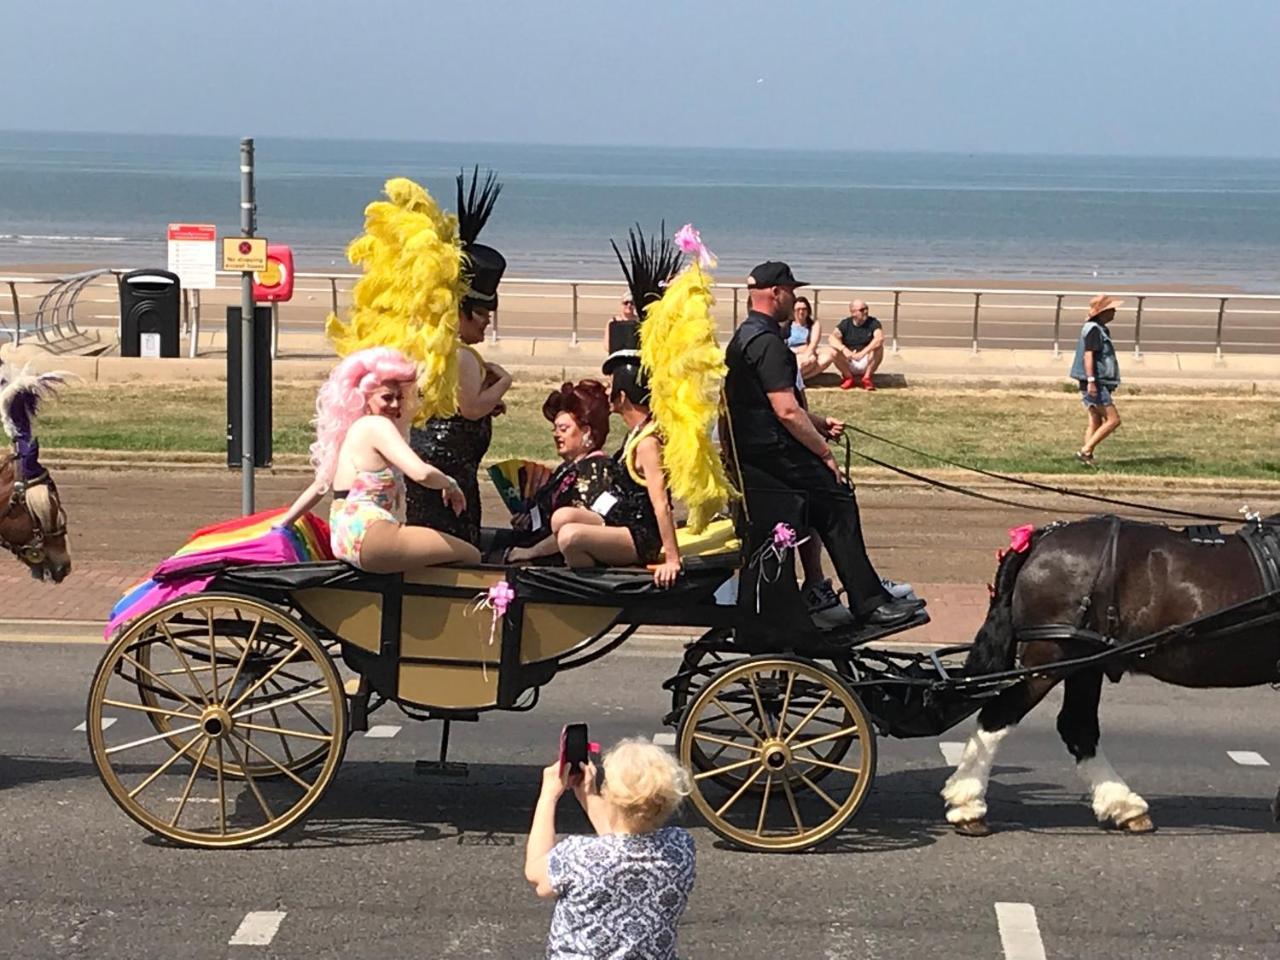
649	265
475	203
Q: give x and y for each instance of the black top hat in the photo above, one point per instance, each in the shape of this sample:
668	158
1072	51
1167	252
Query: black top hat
484	265
772	273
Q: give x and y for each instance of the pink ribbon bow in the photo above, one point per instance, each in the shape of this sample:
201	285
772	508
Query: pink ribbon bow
690	241
1020	537
783	540
497	598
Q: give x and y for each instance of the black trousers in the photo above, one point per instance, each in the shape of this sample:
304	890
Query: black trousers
788	484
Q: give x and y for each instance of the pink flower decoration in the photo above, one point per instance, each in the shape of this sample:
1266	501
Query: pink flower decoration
690	241
500	597
784	536
1020	537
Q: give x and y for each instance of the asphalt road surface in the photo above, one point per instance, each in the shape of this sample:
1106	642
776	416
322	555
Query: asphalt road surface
393	864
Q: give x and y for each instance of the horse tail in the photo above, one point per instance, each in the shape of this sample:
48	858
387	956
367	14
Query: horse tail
995	645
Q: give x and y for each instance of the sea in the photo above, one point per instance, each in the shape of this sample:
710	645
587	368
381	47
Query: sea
859	217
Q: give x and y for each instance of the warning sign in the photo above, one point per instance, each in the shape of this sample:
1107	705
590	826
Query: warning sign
193	254
244	254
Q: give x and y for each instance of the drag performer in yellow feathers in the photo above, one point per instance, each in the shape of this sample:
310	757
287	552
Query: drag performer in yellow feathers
428	285
666	389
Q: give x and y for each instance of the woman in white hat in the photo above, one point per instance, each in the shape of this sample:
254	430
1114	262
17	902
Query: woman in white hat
1096	370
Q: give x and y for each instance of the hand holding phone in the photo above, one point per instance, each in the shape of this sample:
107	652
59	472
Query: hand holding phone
575	749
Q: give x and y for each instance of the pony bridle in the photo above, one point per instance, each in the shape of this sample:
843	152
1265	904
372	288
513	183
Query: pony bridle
32	552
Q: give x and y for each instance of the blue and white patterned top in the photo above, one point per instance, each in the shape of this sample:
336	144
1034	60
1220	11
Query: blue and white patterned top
620	896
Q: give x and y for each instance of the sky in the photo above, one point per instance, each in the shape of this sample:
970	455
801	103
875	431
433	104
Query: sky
1129	77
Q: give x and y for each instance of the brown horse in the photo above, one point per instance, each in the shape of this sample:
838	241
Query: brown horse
1107	581
33	525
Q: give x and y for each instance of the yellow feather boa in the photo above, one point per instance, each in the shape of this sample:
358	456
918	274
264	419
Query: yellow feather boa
409	295
685	365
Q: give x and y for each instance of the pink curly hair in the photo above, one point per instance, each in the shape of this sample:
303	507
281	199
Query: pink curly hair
344	398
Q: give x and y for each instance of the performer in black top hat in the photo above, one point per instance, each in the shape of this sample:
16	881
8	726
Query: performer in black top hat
788	471
457	444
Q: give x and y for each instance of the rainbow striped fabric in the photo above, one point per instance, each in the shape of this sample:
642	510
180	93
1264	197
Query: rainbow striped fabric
245	540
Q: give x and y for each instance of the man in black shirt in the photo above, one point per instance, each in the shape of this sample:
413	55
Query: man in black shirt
858	341
788	472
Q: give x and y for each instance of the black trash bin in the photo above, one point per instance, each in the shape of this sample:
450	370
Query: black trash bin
150	310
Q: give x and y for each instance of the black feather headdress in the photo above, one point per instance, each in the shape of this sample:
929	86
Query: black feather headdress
650	263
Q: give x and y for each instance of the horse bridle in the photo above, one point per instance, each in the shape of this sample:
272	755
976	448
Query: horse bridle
32	552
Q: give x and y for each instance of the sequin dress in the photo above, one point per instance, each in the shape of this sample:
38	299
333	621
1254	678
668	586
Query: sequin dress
455	445
634	509
575	483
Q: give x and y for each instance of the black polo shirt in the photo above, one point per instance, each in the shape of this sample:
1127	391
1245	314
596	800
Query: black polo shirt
759	363
856	337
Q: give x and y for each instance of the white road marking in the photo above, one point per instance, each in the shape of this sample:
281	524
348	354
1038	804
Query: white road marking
383	731
951	751
1247	758
257	929
1019	931
84	725
664	739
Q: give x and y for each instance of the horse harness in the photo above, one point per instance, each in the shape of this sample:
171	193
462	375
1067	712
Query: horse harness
32	552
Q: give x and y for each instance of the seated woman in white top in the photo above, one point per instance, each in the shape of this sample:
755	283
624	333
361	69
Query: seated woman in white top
361	453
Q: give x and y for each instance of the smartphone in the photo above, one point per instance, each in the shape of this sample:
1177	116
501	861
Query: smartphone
575	746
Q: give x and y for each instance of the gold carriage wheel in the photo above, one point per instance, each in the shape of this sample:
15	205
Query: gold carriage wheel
177	782
706	757
778	817
189	639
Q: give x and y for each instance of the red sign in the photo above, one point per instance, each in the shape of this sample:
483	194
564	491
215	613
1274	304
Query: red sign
193	231
275	284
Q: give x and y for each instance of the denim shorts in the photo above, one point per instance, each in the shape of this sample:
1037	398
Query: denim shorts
1103	399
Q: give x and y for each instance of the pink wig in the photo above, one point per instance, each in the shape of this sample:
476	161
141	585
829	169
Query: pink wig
345	396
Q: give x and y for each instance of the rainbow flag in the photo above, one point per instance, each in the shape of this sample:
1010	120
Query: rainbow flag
240	542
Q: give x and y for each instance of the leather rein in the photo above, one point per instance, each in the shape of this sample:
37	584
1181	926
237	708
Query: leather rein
33	551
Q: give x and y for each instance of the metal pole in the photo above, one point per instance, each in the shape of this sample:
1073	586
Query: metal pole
193	345
1057	327
813	318
573	334
247	225
333	294
275	329
977	303
897	299
1137	330
735	308
17	314
1217	340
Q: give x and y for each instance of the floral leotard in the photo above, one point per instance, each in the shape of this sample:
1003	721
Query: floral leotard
374	495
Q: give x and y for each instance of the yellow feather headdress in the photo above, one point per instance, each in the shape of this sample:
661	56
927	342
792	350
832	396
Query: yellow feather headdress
685	368
408	298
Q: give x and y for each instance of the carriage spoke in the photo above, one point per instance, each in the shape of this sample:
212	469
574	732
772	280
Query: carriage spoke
186	664
283	732
222	794
244	655
301	709
213	659
726	769
143	708
164	683
806	744
697	735
736	719
791	802
152	739
755	695
819	791
274	704
814	761
257	684
250	745
808	716
186	791
764	804
178	755
786	702
740	791
248	778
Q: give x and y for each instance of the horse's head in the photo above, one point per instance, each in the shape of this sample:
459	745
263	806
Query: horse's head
33	525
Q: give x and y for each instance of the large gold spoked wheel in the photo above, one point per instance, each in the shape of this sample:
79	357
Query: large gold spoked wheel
773	721
242	687
205	639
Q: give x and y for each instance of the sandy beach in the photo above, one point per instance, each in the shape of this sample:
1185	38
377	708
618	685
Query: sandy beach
937	313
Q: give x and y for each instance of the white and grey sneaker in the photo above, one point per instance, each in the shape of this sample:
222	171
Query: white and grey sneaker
898	591
825	609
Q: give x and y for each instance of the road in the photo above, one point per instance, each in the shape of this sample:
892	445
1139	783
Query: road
392	864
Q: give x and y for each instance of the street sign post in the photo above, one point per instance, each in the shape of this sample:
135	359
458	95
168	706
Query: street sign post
251	254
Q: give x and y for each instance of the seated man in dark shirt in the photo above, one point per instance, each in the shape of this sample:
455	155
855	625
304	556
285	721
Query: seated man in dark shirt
788	472
858	341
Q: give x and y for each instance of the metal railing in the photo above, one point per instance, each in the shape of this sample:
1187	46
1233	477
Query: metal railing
956	316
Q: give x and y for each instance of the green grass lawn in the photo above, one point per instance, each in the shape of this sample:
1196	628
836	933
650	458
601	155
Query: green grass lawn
1034	431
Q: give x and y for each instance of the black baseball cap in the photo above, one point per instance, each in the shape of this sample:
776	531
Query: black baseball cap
772	273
